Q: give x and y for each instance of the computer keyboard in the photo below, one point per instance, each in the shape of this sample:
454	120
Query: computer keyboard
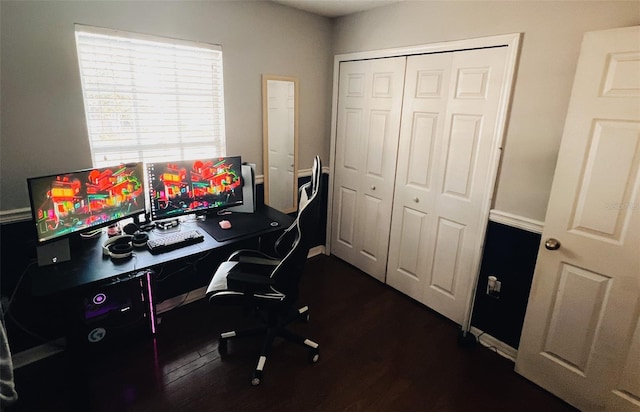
174	241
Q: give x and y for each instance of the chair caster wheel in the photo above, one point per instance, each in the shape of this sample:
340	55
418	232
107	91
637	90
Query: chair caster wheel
222	347
314	355
304	315
257	378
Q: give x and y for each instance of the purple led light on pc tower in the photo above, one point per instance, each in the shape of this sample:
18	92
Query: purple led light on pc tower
99	298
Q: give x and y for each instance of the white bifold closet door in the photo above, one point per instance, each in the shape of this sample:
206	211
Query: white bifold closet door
447	136
369	106
415	141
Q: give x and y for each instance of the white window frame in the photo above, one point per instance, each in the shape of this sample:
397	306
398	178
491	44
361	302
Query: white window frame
150	98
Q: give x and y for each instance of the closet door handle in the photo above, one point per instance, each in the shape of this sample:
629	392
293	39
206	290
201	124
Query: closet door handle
415	199
373	187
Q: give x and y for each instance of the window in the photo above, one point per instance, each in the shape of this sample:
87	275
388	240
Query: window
150	98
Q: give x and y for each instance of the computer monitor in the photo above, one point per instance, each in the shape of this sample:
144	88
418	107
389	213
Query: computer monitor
68	203
193	186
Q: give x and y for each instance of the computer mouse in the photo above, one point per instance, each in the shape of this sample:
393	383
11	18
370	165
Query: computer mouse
225	224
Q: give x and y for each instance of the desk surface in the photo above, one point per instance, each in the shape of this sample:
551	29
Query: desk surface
88	264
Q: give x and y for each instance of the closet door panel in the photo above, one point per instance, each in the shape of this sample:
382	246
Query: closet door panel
409	241
369	239
463	181
349	165
448	269
451	185
368	123
346	201
423	116
461	154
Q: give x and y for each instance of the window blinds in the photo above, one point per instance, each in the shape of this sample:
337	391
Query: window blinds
150	98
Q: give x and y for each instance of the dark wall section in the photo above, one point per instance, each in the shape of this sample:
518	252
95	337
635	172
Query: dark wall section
32	321
510	255
29	321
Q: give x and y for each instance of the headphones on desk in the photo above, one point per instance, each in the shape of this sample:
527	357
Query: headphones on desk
121	247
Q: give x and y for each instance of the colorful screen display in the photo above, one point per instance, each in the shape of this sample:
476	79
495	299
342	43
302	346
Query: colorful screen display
189	186
73	202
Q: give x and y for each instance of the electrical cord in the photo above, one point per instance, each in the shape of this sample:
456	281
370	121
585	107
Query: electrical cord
31	333
15	290
162	279
7	311
491	347
188	265
186	295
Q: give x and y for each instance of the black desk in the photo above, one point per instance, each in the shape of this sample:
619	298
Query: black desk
88	264
89	268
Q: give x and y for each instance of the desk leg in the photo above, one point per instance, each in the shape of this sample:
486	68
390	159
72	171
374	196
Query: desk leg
148	287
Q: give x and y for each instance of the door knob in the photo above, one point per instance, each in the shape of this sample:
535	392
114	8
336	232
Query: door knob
415	199
552	244
373	187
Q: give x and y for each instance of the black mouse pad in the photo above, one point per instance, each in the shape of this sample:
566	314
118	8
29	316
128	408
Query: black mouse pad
241	224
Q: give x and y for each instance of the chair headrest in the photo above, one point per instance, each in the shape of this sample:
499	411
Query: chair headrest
316	174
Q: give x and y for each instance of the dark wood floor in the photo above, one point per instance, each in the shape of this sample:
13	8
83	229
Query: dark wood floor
379	351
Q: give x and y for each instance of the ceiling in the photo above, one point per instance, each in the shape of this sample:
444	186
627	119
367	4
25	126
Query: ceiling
335	8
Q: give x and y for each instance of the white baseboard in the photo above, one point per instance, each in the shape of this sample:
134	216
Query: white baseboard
315	251
500	347
31	355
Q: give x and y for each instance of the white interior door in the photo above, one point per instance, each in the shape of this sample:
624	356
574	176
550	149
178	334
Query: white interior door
581	335
448	139
369	105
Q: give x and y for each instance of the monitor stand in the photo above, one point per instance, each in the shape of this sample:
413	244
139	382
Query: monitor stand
167	223
55	252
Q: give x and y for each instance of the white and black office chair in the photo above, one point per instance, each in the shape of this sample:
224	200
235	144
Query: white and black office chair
269	284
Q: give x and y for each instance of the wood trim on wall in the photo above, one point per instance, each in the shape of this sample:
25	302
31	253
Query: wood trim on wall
16	215
24	214
516	221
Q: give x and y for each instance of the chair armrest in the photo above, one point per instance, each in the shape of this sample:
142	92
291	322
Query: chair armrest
243	255
250	279
286	240
260	261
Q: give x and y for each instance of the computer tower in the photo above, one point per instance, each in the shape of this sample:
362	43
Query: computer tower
113	314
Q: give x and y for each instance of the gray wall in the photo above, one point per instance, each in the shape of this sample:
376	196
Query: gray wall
42	118
553	33
43	127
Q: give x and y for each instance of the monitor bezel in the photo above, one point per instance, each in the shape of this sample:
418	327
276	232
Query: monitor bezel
133	214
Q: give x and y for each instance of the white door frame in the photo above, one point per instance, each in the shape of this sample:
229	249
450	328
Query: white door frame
512	41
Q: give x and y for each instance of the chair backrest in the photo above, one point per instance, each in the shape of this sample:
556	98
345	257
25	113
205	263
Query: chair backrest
287	273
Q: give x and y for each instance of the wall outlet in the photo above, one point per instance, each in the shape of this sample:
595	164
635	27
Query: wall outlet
493	287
